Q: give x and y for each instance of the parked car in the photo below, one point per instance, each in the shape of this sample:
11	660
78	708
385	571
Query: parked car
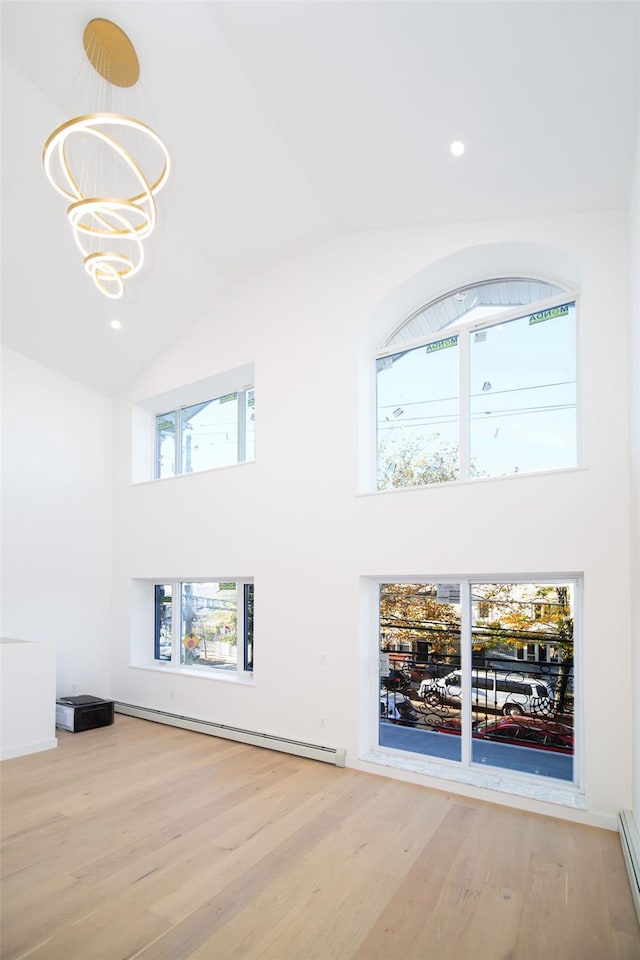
535	732
528	731
396	708
508	692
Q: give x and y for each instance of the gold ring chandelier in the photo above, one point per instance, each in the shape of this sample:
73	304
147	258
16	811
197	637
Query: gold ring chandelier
110	166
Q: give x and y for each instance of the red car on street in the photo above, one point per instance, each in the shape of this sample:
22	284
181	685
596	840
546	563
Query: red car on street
520	731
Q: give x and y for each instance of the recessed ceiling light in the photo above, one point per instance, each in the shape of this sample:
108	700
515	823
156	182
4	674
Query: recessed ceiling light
116	325
457	148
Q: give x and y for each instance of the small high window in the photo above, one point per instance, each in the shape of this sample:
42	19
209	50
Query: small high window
196	426
214	433
479	383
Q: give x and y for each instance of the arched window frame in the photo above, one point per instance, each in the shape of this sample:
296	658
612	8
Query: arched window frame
464	330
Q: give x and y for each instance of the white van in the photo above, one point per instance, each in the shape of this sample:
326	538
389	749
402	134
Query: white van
510	693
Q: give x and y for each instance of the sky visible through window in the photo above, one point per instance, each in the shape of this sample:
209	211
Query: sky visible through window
209	434
522	386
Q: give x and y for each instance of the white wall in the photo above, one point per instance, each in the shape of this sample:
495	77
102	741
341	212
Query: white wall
27	697
56	536
294	519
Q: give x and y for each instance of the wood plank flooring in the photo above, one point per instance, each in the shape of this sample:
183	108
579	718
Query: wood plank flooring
150	842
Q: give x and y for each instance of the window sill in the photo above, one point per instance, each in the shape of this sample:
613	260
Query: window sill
474	481
244	679
549	791
193	473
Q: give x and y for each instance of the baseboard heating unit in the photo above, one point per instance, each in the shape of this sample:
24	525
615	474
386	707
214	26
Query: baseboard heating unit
335	755
630	841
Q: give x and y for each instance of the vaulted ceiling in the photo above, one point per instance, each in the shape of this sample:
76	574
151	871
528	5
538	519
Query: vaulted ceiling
292	122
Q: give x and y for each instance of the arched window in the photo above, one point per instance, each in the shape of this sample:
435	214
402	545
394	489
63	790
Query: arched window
479	383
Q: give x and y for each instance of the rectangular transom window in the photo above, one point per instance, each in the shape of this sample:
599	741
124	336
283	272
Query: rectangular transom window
480	674
205	624
214	433
490	399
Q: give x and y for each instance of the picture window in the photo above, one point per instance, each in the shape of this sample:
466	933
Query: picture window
205	625
480	383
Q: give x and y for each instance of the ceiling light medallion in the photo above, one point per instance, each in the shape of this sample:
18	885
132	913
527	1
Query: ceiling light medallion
110	166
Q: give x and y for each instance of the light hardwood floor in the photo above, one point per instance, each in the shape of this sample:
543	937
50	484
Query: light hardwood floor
145	841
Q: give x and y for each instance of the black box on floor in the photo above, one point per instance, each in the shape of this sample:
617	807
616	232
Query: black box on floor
83	713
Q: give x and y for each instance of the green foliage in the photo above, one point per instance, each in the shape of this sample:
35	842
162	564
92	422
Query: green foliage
520	615
517	614
411	611
415	461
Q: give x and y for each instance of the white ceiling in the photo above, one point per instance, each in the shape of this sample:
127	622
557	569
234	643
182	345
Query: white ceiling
291	122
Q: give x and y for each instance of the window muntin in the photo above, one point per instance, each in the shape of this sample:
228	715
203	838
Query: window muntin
249	424
166	445
512	407
248	626
473	701
214	433
212	628
163	621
